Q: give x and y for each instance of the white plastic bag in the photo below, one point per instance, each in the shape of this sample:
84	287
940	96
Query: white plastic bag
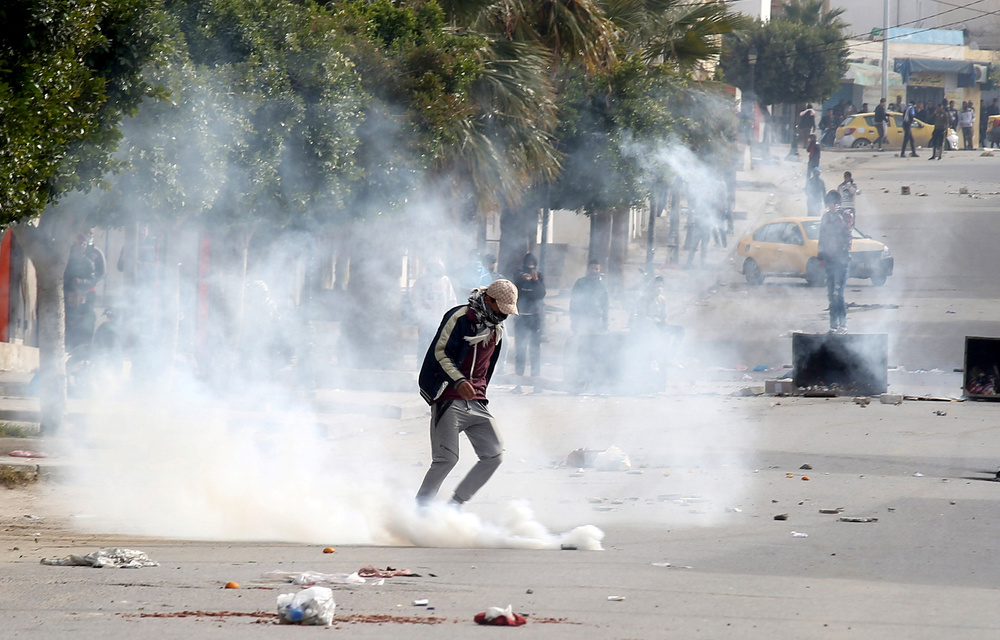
314	605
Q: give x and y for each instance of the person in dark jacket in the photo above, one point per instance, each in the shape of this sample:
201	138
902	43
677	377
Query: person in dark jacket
453	380
815	191
835	253
588	314
531	313
881	122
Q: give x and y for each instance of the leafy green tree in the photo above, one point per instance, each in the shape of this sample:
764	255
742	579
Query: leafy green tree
70	72
801	56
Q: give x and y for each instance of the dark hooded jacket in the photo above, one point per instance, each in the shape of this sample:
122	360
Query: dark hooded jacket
451	359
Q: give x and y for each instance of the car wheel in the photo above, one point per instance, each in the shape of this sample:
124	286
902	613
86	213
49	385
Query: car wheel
752	272
861	143
879	277
815	277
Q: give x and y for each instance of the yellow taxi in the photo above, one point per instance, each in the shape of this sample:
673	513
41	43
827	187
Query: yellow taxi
788	248
858	131
992	131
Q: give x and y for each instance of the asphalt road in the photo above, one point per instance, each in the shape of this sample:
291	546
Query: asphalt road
690	540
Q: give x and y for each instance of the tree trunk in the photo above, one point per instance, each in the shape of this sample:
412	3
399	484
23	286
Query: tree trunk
675	224
47	246
51	344
600	237
619	247
518	233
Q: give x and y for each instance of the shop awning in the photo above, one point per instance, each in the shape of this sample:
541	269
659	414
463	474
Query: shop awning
964	68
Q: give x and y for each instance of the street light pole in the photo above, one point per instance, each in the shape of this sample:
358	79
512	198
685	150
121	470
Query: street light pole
885	50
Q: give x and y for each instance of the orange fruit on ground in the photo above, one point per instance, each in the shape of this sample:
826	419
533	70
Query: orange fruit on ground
232	585
329	550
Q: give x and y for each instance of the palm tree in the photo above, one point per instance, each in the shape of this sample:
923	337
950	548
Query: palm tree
811	13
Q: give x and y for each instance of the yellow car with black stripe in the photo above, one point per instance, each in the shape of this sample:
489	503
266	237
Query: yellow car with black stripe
858	132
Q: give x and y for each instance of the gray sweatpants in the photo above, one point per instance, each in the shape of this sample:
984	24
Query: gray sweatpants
448	419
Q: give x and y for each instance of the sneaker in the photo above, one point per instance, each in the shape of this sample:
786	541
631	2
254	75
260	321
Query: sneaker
841	330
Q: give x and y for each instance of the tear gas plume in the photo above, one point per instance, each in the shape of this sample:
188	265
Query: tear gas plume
217	435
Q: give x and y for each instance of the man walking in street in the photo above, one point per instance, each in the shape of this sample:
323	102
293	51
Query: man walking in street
528	327
984	122
813	150
453	379
847	190
967	119
908	116
939	134
835	253
815	190
588	314
881	118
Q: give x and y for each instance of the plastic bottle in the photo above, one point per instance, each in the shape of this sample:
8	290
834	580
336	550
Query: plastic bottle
313	606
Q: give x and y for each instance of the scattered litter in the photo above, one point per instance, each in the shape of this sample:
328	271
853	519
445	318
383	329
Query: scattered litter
781	516
30	517
672	566
530	591
832	511
734	510
963	190
314	577
789	475
422	602
806	478
20	453
232	585
616	598
949	311
856	519
796	534
581	458
568	547
905	191
614	459
760	367
312	606
806	466
986	154
501	617
940	413
891	398
119	558
388	572
917	474
864	401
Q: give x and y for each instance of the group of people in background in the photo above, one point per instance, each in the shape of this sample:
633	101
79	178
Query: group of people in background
963	119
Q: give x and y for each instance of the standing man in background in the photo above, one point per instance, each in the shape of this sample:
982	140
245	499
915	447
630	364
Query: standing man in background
881	119
835	253
909	114
531	314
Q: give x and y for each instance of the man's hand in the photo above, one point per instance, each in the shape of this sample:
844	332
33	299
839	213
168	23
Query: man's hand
466	390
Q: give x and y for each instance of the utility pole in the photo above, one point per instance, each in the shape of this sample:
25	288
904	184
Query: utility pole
885	50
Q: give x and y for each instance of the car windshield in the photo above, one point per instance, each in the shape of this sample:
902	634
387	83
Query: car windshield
847	121
812	230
